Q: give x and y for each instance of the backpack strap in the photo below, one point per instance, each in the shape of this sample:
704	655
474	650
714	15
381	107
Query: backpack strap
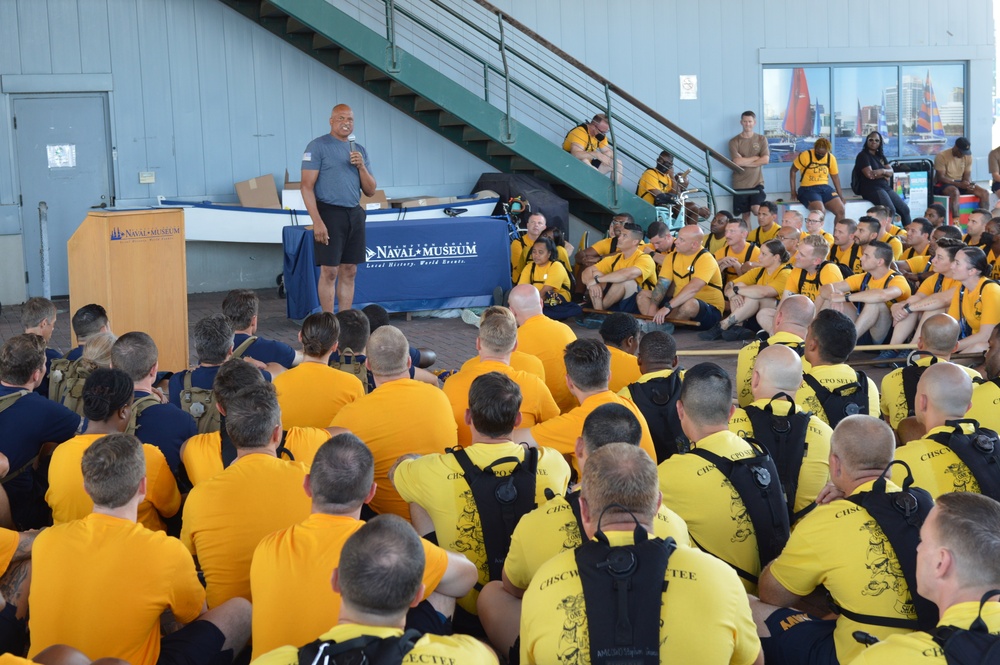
911	376
980	452
573	499
138	406
784	437
227	449
656	399
501	501
8	400
282	451
969	646
365	649
899	515
844	396
242	348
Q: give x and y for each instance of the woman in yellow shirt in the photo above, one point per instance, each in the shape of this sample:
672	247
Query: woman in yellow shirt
546	273
757	289
976	303
932	297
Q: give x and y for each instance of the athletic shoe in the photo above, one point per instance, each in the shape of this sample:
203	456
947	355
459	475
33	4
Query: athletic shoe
712	334
888	355
498	296
470	317
649	326
590	322
737	333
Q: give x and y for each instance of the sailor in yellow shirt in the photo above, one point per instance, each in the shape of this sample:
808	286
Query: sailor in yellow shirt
102	583
839	546
696	280
938	338
520	249
421	419
815	220
944	393
976	303
497	339
291	568
554	526
777	375
15	577
378	577
696	489
312	393
754	293
657	181
811	271
820	186
205	455
543	338
829	342
791	321
588	142
546	273
767	224
985	407
715	239
843	249
614	281
738	255
226	516
606	246
704	614
957	571
107	405
588	369
439	489
620	333
918	239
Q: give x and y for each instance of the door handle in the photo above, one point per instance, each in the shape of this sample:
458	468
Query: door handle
103	205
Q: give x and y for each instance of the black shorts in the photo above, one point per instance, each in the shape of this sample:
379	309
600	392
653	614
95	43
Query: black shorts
198	643
797	637
346	227
707	315
744	202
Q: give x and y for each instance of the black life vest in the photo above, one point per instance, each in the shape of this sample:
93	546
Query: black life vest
623	591
501	501
911	377
784	438
765	341
980	451
657	400
847	400
365	649
974	645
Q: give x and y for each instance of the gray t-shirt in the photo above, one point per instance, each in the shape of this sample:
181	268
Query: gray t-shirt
755	146
339	182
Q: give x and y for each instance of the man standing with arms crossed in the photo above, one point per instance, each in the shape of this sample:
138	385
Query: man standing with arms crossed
335	170
750	151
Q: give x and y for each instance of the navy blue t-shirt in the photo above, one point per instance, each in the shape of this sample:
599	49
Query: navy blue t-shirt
75	353
28	423
166	427
267	350
201	377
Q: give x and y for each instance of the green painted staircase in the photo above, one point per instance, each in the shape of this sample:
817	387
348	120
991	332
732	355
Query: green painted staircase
370	60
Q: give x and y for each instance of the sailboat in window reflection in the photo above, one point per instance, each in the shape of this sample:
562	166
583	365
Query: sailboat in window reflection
929	126
817	124
857	138
798	114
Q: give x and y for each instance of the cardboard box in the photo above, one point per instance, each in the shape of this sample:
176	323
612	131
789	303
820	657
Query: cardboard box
291	197
376	201
259	192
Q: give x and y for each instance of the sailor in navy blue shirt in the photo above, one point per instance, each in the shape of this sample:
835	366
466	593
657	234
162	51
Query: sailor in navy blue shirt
88	320
241	307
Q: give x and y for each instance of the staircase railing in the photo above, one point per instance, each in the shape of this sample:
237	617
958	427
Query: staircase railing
520	72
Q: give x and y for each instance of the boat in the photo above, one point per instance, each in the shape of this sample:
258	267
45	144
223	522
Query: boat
883	126
930	130
784	144
857	138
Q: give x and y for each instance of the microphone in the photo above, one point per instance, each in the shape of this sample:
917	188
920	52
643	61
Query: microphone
350	140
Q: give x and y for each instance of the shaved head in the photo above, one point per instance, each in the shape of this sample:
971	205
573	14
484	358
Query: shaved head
779	370
947	387
863	443
939	334
525	301
796	310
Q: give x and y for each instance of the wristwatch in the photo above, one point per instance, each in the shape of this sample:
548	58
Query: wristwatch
847	297
736	289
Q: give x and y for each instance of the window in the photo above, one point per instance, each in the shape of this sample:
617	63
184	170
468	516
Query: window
918	108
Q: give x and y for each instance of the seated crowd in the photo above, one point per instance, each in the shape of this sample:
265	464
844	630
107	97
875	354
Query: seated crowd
557	500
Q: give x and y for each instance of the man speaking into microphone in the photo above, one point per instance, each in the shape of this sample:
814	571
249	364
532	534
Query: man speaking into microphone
335	170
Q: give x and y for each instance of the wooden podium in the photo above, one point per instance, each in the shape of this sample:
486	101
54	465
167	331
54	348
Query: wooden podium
133	263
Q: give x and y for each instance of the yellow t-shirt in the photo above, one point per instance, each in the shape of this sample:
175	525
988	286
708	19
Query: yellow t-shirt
202	453
985	408
520	253
760	277
826	236
100	584
680	269
918	264
552	527
9	540
912	253
561	433
537	404
895	243
995	262
939	282
644	262
830	377
653	179
748	356
704	617
759	235
437	484
816	171
226	516
519	361
815	470
887	280
291	570
919	648
893	398
713	244
708	503
979	306
749	253
843	257
603	247
624	369
828	274
428	649
399	417
69	501
546	340
580	136
841	547
935	467
551	274
311	394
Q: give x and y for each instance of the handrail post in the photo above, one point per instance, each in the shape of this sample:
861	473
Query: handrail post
390	33
711	181
43	247
486	81
507	138
614	149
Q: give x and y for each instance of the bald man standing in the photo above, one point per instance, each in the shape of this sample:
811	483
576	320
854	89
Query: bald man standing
335	170
939	460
